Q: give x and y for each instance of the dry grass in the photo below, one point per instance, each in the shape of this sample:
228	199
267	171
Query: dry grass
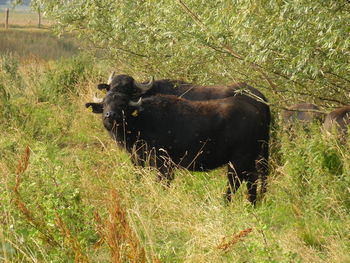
118	235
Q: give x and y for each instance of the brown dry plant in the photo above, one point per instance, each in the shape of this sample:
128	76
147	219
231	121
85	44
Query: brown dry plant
40	225
117	233
36	222
226	244
71	241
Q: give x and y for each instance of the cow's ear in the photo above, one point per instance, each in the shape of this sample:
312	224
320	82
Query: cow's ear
96	107
103	86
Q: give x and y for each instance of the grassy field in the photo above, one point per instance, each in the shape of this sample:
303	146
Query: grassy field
37	43
68	194
26	40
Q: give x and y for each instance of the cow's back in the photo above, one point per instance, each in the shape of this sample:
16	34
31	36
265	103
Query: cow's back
304	112
198	93
338	119
203	135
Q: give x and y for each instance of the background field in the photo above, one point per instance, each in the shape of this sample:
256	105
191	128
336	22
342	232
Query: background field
73	196
21	18
25	39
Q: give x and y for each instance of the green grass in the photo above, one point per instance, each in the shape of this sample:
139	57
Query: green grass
74	165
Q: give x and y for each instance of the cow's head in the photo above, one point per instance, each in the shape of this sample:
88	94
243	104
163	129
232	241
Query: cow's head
125	84
115	108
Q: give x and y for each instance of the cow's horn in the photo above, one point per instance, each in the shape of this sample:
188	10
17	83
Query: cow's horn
136	103
111	78
97	100
144	87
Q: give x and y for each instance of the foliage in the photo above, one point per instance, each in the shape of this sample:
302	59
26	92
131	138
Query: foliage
298	48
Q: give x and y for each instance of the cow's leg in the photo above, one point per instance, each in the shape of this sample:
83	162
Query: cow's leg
262	165
234	181
166	175
165	167
252	179
239	170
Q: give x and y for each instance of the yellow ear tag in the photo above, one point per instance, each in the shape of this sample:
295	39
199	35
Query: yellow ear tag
135	113
90	109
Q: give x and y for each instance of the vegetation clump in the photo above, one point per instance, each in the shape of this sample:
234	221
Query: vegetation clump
69	194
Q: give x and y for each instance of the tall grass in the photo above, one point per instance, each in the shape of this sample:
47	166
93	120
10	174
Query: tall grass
81	200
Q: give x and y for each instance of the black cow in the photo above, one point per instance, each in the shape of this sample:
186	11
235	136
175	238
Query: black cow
338	120
198	135
303	112
127	85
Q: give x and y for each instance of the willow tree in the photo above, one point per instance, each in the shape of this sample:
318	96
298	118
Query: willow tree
293	48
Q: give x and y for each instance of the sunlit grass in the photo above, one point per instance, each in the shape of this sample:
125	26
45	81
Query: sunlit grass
74	166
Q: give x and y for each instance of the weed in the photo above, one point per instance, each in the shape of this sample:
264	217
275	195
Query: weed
119	236
225	244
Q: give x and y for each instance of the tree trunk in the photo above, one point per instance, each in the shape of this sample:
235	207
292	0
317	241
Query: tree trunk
39	17
7	18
